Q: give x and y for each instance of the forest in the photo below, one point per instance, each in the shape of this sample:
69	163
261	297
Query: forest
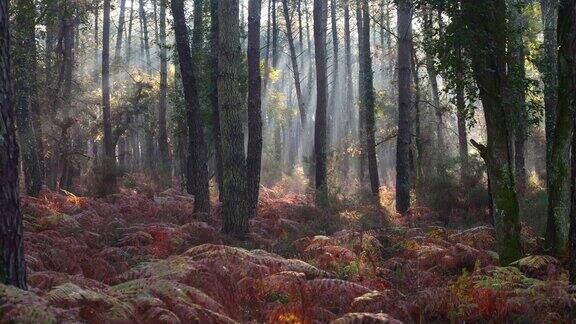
287	161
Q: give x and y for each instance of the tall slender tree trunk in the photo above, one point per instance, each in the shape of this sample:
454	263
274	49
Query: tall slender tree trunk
12	266
461	120
486	20
119	36
404	108
235	206
27	107
518	94
361	112
214	94
128	46
109	184
367	100
254	155
559	171
164	150
145	40
348	105
320	24
567	84
294	59
197	174
549	9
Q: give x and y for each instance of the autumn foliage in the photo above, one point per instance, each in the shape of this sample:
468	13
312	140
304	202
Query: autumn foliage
146	258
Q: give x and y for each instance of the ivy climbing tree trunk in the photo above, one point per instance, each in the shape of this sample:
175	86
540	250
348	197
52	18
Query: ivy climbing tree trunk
12	267
486	21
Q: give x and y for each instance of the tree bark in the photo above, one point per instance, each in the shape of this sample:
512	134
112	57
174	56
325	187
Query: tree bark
549	9
567	95
348	104
164	150
404	108
12	267
145	40
197	170
486	20
235	206
294	59
558	223
367	101
361	111
119	36
109	184
320	24
214	30
254	155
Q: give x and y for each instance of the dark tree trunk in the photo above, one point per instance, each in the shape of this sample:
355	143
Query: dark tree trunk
254	155
549	9
559	173
12	267
367	100
214	93
486	19
404	108
145	39
294	59
348	104
109	184
518	95
119	36
129	39
235	206
462	130
163	148
197	174
361	117
27	107
567	96
320	24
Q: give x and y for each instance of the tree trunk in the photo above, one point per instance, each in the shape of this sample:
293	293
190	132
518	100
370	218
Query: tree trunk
361	111
461	118
486	19
235	206
433	77
27	107
12	267
518	94
197	170
164	150
294	59
558	189
109	184
566	86
129	39
254	155
214	93
348	104
145	40
367	100
320	22
404	108
119	35
549	9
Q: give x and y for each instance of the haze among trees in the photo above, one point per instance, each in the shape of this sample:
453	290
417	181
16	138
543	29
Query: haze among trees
287	161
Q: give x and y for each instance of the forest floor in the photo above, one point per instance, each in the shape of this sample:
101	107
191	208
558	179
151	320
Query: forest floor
144	257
